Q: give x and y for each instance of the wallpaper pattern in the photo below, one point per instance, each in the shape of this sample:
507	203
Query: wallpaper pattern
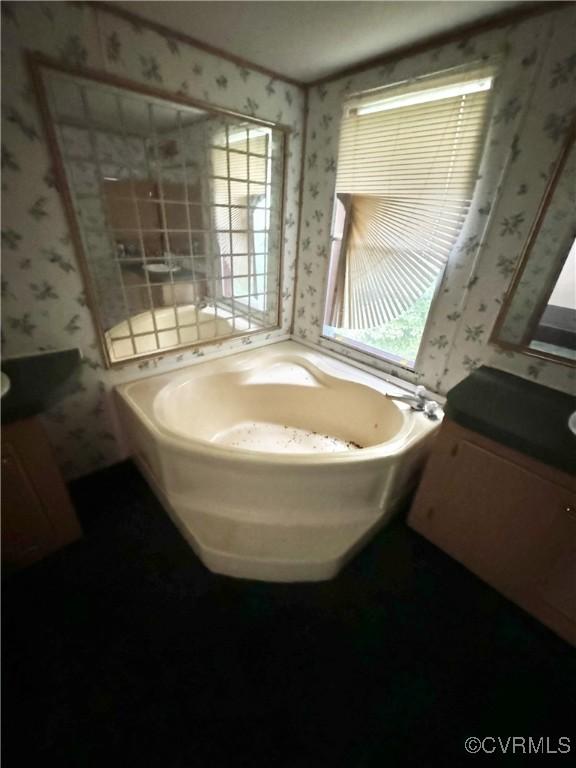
546	257
534	98
44	306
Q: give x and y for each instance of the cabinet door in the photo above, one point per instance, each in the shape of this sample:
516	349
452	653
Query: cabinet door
26	530
508	518
557	584
490	514
37	515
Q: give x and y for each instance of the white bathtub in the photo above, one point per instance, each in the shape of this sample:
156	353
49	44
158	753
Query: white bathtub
255	456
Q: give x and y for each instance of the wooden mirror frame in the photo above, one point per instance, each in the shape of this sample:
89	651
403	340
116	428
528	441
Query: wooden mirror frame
36	62
545	203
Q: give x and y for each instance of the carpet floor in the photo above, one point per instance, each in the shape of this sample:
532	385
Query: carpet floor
123	650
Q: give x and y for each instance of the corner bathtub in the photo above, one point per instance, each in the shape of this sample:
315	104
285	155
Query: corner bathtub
278	463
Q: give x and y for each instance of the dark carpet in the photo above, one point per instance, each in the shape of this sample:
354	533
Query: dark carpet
123	650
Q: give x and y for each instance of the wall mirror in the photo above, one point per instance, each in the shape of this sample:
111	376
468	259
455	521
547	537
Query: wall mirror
538	316
175	207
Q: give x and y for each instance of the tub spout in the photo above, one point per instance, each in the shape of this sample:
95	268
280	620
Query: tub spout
418	402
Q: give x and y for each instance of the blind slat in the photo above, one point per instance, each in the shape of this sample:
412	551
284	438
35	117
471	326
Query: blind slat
432	122
406	176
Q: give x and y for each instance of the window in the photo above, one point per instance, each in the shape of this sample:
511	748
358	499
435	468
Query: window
242	172
407	166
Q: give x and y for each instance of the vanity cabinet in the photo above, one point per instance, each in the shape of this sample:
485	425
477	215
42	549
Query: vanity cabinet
507	517
37	515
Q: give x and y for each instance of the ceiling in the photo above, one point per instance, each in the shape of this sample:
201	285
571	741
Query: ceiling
306	41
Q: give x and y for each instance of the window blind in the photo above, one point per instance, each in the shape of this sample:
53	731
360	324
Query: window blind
407	166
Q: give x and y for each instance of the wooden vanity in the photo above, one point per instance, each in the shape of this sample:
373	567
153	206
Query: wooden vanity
37	514
508	516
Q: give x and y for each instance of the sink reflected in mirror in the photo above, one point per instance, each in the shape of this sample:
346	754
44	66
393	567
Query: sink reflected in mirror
161	268
176	206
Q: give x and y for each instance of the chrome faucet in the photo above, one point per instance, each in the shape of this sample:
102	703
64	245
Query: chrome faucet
418	402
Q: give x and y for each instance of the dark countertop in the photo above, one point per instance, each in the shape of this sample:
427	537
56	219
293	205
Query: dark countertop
523	415
37	382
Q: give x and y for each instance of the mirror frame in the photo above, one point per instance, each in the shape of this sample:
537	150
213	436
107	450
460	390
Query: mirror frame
37	62
545	202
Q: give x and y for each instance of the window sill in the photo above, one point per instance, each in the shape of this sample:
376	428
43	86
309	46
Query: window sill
399	377
383	357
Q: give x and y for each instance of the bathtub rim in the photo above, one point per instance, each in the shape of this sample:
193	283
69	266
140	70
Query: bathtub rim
415	427
246	371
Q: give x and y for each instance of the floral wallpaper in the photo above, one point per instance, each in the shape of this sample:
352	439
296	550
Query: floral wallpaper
533	102
548	252
44	305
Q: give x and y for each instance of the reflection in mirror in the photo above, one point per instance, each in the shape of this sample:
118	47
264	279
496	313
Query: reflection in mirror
556	328
539	314
179	211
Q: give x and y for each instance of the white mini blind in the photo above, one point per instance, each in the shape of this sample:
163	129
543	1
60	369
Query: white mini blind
407	167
